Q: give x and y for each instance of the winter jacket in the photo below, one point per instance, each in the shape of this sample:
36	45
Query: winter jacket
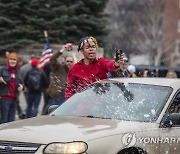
81	75
119	73
58	77
43	81
6	74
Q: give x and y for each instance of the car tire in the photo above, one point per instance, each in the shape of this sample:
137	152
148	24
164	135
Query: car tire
132	150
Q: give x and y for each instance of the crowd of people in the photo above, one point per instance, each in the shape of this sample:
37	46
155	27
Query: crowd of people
58	81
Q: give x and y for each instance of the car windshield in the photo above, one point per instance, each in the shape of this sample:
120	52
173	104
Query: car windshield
121	101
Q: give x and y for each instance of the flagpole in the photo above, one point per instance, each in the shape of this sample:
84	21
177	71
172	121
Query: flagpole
45	34
47	40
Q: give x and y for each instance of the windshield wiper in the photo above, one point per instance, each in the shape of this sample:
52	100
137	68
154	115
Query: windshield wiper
127	94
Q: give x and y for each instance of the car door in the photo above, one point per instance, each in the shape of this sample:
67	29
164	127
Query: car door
170	140
170	135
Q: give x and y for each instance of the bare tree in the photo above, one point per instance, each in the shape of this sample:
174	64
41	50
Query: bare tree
137	26
119	14
148	34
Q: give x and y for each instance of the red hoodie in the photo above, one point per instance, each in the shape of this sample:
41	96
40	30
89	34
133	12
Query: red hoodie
81	75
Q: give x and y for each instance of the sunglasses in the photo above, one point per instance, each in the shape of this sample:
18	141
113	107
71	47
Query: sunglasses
69	61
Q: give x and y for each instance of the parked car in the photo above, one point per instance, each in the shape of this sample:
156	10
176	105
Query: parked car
115	116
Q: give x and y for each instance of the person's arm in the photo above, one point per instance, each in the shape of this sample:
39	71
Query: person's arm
2	81
26	78
70	88
21	85
55	56
111	65
45	80
4	78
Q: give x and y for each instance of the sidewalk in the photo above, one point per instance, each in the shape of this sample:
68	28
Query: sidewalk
23	105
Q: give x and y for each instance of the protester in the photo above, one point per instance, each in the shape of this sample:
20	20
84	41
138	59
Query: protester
46	67
26	67
122	71
89	69
23	70
19	109
35	80
47	71
171	74
56	89
145	73
11	83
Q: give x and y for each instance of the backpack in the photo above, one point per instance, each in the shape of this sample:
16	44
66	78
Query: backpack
34	81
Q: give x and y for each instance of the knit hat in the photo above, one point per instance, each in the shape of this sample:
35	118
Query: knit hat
34	62
13	55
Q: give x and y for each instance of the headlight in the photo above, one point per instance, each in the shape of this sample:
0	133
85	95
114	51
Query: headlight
66	148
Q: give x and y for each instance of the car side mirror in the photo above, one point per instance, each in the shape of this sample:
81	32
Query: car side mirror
52	108
173	119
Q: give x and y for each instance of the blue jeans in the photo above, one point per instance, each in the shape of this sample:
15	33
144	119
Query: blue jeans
57	102
33	101
7	110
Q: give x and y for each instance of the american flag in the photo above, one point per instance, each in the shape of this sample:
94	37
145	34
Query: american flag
46	54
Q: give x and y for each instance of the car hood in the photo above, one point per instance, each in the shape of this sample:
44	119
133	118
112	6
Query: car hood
46	129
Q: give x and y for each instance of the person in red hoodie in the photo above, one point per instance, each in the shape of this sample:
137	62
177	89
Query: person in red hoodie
89	69
11	83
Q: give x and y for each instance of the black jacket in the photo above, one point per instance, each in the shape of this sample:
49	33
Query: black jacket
6	74
43	83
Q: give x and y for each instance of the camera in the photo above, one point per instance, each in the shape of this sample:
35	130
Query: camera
119	52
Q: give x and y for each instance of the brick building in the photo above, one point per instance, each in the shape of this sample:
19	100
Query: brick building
171	33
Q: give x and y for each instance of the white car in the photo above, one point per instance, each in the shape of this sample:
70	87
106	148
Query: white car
115	116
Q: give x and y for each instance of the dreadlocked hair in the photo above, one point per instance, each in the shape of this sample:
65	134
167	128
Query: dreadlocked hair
86	40
94	40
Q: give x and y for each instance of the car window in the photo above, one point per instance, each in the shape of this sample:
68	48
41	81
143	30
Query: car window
172	116
175	106
121	101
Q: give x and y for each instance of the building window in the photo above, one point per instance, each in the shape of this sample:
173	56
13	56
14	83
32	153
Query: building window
178	26
179	47
177	50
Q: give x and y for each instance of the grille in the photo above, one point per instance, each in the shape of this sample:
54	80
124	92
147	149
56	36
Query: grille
7	147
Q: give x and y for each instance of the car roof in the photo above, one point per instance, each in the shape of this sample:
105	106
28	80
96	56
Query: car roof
151	80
